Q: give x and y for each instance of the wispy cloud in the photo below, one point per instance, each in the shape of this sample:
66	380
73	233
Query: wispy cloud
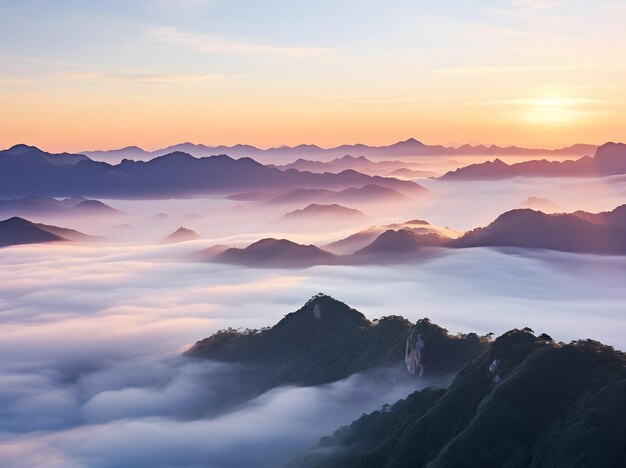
501	69
142	77
211	44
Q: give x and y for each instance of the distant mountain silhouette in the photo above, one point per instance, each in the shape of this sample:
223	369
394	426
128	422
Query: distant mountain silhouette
180	235
609	159
581	232
36	205
28	154
16	231
315	212
326	340
524	402
176	174
541	204
401	244
360	164
614	217
407	173
407	148
578	232
95	206
276	253
362	239
370	193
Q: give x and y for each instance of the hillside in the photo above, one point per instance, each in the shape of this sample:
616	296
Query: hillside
526	402
326	340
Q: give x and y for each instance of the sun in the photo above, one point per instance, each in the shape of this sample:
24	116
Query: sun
552	111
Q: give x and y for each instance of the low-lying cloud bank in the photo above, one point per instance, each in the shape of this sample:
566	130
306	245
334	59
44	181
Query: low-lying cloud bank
90	342
154	415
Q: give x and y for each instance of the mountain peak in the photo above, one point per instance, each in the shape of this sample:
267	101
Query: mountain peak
182	234
22	148
410	142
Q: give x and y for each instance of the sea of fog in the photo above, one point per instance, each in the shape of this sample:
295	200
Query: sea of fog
91	336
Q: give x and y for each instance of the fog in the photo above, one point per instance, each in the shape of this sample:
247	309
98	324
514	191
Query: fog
458	205
92	335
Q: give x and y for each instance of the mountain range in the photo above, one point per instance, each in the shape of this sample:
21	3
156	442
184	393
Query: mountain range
326	340
37	205
324	213
520	401
406	148
579	232
29	171
361	164
524	402
609	159
370	193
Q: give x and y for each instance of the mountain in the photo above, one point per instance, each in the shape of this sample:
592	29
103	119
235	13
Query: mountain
172	175
360	164
16	231
30	154
370	193
407	173
362	239
406	148
581	232
180	235
95	207
609	159
578	232
315	212
541	204
117	155
326	340
615	217
392	245
524	402
36	205
280	253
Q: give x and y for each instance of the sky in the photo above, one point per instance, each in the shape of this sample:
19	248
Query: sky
82	75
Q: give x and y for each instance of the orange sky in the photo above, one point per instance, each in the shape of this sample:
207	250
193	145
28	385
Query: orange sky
526	72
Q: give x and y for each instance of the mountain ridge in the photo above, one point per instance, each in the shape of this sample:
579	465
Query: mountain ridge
409	147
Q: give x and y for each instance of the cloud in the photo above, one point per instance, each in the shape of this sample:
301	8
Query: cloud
91	336
148	413
501	69
142	78
209	44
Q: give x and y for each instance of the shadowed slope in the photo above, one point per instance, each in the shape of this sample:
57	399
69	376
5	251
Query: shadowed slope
276	253
180	235
15	231
610	159
326	340
526	402
566	232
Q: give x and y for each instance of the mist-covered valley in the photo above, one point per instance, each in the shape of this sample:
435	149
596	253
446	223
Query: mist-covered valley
101	300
